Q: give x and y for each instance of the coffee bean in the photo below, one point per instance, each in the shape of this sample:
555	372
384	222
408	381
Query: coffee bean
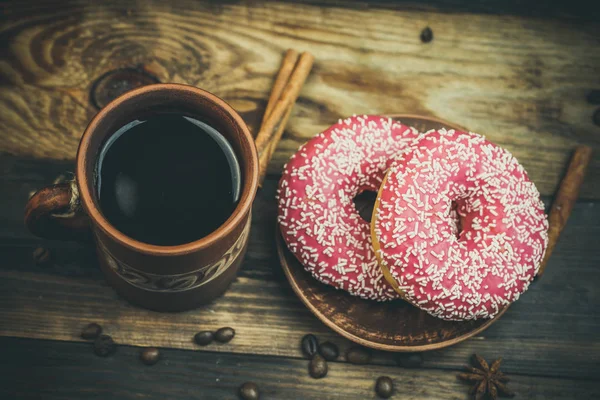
409	360
426	35
104	346
384	387
91	331
224	335
317	368
309	345
249	391
358	355
329	351
204	338
41	255
150	355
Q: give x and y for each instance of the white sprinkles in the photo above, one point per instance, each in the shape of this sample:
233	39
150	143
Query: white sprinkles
452	272
317	216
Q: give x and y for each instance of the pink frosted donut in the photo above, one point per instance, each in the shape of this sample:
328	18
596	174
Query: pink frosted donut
317	216
465	268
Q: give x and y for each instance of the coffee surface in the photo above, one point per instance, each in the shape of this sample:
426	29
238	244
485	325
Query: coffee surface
167	180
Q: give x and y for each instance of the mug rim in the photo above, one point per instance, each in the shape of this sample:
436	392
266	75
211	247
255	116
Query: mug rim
249	188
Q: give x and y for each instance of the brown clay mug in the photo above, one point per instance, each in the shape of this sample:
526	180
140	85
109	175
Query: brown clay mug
164	278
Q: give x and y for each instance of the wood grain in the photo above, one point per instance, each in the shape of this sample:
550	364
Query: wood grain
576	9
56	301
494	66
55	370
521	81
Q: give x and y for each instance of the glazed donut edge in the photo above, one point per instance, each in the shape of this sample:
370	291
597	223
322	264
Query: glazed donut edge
467	262
317	217
387	274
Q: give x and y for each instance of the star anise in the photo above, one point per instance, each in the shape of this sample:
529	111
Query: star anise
486	379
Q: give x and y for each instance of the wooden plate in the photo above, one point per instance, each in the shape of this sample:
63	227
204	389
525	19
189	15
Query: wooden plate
390	326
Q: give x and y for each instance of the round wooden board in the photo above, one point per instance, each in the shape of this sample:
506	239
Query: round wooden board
390	326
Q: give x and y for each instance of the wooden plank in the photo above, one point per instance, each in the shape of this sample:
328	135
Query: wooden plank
574	10
43	307
514	79
553	330
55	370
529	8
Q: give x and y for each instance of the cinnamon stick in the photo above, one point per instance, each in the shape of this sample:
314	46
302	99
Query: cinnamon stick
288	98
565	199
285	71
283	76
265	157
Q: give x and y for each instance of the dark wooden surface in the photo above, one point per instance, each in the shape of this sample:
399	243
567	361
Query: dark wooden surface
521	80
514	71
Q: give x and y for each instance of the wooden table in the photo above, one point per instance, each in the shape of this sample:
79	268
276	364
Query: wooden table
523	74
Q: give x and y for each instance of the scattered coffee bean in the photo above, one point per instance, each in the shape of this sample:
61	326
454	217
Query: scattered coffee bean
329	351
104	346
426	35
593	97
150	355
358	355
249	391
309	345
91	331
204	338
384	387
317	368
41	255
409	360
596	117
224	335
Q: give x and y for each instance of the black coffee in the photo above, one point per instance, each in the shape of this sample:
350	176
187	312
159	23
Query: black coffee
167	180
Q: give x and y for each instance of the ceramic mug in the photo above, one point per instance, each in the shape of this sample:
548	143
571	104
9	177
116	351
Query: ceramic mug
163	278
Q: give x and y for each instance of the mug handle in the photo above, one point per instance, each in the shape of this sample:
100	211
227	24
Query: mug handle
55	212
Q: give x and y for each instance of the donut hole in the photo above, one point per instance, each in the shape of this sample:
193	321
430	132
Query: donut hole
364	203
455	219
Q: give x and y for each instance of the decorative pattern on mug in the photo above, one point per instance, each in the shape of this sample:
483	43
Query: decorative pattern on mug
175	283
